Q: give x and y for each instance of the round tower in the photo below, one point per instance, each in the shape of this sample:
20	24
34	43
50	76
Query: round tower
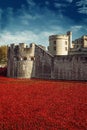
58	44
21	60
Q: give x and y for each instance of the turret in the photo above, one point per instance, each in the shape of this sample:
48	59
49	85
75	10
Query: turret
69	33
58	44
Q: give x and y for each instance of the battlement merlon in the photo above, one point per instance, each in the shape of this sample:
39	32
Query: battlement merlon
21	50
22	45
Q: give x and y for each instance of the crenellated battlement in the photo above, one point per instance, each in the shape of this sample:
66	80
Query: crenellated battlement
61	61
21	51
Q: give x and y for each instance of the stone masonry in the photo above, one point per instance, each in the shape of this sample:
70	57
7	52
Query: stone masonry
35	61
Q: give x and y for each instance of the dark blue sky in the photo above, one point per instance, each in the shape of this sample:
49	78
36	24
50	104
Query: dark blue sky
34	20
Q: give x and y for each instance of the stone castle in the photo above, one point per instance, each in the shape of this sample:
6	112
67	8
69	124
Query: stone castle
65	59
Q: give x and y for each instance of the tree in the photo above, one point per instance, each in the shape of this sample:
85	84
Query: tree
3	54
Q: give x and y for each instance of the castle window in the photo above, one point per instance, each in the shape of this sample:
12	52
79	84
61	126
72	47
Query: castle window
55	48
32	58
25	58
17	58
54	42
77	46
65	42
66	49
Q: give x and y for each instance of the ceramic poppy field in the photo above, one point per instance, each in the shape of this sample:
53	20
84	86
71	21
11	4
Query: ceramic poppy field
42	105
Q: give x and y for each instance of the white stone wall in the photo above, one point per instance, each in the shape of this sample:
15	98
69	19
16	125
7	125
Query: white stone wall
59	44
85	41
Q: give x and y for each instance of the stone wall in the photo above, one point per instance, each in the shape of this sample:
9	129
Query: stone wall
24	69
70	67
21	61
36	62
43	62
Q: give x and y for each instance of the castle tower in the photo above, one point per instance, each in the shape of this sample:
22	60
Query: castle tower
21	61
59	44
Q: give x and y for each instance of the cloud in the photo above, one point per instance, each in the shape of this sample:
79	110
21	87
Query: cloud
47	3
10	14
33	23
77	31
59	5
8	37
38	19
17	37
76	28
82	6
1	12
70	1
81	3
24	37
31	3
83	10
